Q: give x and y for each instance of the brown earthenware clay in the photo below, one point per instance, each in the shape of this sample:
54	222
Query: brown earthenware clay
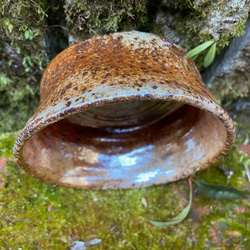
121	111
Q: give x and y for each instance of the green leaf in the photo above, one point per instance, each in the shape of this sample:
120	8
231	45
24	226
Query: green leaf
26	34
219	192
29	61
197	50
31	34
180	217
27	69
29	90
209	57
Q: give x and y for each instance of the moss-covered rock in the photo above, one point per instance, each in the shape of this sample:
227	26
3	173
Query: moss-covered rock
23	58
191	23
229	76
239	110
90	18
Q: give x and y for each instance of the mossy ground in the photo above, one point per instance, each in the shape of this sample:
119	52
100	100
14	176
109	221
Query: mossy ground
36	215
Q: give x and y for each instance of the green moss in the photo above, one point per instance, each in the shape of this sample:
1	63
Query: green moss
18	101
233	161
229	89
23	58
7	141
91	18
38	215
20	16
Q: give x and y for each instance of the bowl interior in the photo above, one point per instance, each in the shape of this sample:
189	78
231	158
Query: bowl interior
126	145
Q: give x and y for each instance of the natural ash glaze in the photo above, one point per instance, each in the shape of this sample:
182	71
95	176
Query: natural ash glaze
121	111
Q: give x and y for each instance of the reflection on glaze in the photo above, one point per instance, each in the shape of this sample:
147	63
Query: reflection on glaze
72	177
190	145
87	154
145	177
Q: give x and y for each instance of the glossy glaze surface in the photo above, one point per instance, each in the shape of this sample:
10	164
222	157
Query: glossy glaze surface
121	111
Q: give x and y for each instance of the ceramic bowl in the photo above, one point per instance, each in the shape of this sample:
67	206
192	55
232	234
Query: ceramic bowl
121	111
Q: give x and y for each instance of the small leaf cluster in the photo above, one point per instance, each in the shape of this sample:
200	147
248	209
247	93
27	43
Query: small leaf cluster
209	57
22	18
29	34
27	63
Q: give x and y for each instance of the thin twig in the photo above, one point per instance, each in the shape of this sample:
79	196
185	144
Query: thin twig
56	25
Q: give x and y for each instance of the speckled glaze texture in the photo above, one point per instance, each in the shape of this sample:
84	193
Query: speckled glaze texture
121	111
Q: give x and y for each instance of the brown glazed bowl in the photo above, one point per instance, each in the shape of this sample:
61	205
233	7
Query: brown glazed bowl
121	111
